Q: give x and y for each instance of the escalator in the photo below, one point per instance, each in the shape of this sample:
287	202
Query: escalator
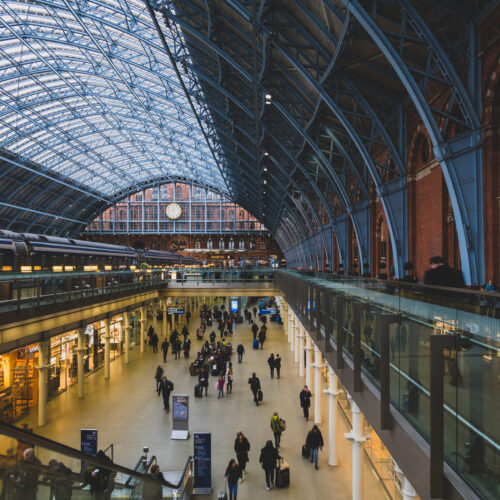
36	468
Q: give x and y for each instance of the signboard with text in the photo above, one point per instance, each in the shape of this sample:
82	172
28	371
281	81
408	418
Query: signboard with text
175	310
269	310
202	463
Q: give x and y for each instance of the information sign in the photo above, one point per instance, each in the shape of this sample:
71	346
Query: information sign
202	463
88	441
180	416
175	310
269	310
234	304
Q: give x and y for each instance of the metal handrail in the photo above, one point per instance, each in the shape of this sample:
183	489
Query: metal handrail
37	440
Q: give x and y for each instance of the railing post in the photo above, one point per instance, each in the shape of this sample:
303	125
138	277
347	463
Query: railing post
385	371
437	479
357	308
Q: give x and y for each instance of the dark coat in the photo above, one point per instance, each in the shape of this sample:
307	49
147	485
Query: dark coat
277	362
314	439
242	448
165	345
305	398
268	457
152	489
233	474
444	275
203	378
166	387
254	383
270	361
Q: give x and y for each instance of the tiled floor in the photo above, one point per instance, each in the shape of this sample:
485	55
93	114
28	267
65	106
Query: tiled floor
128	413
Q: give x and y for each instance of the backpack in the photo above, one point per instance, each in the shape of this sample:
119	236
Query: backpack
282	425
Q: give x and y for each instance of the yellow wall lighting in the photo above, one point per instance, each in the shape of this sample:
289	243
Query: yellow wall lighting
57	269
149	271
108	268
133	267
37	268
6	268
90	268
26	269
68	268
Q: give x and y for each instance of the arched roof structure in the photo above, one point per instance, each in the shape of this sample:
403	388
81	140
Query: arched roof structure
297	110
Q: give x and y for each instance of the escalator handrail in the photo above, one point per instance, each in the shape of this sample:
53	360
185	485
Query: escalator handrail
29	437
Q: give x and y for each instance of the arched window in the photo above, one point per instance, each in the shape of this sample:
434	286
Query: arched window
210	244
231	244
197	244
241	244
221	244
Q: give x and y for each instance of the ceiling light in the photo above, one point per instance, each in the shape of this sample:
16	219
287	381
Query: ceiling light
265	169
265	182
268	97
266	154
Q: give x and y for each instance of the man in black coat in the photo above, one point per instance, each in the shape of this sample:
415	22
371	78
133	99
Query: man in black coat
305	401
440	274
166	387
255	329
164	349
254	387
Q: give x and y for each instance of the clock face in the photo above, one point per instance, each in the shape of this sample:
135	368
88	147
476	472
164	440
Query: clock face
173	210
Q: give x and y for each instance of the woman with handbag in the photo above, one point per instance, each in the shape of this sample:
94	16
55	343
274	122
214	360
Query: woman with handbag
241	447
232	475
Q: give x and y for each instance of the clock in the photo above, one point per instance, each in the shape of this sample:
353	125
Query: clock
173	210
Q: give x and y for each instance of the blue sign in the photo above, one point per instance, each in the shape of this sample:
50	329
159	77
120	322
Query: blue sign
269	310
88	438
202	463
175	310
234	305
180	407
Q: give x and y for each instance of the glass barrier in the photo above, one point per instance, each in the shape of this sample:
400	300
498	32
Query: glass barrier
35	468
471	368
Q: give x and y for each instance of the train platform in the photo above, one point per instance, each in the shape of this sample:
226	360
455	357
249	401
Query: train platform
128	414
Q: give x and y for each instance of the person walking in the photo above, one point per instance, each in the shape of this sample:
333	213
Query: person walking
440	274
270	362
276	428
269	458
229	378
254	312
240	350
305	401
178	348
314	442
203	379
254	387
164	349
262	338
154	342
157	377
152	487
220	387
277	365
232	476
166	387
188	316
242	447
255	330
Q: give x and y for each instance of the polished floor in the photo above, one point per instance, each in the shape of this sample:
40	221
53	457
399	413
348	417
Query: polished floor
128	413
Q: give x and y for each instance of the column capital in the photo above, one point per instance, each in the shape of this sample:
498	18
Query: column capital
318	365
331	393
42	367
356	439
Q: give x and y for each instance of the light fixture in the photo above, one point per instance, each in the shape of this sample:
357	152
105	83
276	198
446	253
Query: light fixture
266	154
265	182
269	97
265	169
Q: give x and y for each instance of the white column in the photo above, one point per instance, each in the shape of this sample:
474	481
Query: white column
309	360
80	352
164	323
43	367
332	392
289	325
107	347
155	318
127	330
301	351
292	333
317	385
298	326
357	439
143	326
406	488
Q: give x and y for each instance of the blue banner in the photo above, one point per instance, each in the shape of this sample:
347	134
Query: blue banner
175	310
202	463
269	310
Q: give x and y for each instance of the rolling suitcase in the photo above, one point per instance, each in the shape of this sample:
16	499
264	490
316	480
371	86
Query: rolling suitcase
255	344
283	475
197	391
260	395
306	452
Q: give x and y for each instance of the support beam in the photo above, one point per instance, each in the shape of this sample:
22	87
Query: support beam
332	393
309	360
43	367
301	350
107	348
143	326
357	439
127	330
80	353
317	385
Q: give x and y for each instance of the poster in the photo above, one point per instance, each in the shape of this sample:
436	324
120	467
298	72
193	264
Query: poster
202	463
88	438
180	407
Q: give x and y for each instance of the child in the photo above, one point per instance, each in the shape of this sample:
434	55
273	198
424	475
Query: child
220	386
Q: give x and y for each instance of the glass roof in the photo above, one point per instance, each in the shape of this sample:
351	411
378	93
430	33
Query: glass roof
87	91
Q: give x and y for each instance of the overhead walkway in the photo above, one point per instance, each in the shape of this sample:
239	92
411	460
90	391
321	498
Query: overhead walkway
422	363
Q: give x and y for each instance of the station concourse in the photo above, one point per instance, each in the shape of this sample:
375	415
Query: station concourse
128	413
341	156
